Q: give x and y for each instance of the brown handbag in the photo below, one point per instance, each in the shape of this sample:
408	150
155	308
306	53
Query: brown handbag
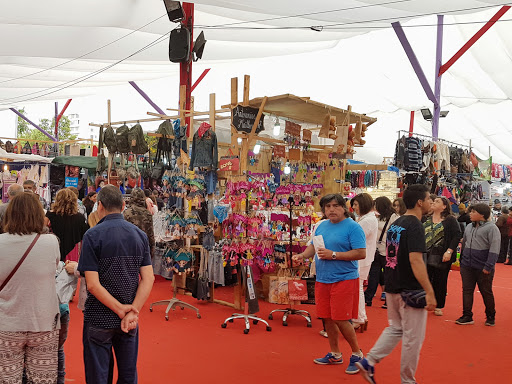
20	262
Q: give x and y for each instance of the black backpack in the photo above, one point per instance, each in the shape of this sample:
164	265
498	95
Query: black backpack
166	129
122	141
109	139
137	142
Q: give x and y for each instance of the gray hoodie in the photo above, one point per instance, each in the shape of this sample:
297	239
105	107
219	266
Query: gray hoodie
481	246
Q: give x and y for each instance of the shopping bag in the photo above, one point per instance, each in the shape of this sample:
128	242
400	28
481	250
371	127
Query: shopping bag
273	289
297	290
282	290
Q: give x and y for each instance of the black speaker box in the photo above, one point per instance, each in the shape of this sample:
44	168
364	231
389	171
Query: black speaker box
179	45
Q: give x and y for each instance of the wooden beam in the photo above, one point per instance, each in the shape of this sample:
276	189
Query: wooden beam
257	121
166	117
212	111
247	81
222	110
192	131
234	91
158	118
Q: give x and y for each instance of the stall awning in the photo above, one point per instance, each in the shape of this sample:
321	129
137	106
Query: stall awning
307	110
14	157
80	161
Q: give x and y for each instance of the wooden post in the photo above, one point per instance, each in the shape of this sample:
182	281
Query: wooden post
109	116
234	91
181	106
212	111
192	131
247	80
257	121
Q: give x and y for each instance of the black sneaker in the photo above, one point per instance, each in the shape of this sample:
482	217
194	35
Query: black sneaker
464	320
490	322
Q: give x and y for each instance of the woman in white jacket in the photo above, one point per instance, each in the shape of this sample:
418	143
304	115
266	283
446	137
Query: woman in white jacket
362	204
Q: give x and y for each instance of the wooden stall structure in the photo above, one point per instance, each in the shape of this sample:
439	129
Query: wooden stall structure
289	107
296	110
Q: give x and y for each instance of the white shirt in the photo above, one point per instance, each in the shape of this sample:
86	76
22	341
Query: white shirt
370	225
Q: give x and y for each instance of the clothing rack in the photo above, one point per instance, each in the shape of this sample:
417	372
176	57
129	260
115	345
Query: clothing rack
432	138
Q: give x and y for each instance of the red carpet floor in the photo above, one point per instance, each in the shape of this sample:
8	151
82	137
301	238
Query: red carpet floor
190	350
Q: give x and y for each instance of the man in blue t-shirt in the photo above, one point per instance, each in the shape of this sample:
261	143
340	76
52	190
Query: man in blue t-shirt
115	253
337	244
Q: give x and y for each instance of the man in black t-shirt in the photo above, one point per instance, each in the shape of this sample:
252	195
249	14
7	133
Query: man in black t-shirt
405	270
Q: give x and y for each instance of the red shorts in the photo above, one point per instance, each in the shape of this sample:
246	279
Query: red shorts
337	301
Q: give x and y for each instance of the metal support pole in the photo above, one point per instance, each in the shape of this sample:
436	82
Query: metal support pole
56	121
33	124
146	97
437	86
186	68
411	124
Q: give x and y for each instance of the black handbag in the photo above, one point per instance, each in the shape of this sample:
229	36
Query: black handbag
435	257
415	298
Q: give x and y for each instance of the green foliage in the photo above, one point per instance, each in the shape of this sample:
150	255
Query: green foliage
152	143
26	131
22	127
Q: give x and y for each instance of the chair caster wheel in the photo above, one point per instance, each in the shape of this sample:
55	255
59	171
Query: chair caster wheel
255	322
150	309
231	320
270	317
285	324
198	316
182	308
223	325
246	331
269	329
309	325
166	318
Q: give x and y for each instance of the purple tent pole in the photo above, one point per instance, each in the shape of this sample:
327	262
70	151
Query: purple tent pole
146	97
33	124
56	122
437	87
414	61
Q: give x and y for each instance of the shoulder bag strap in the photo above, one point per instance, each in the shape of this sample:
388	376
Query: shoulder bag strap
384	229
20	262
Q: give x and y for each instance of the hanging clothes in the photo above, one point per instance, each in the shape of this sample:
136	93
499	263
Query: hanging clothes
204	150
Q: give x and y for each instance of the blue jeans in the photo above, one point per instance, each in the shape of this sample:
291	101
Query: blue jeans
63	335
98	344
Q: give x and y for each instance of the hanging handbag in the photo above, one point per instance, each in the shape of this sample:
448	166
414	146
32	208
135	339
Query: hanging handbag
20	262
229	162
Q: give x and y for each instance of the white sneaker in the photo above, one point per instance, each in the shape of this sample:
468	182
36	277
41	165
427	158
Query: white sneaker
324	333
438	312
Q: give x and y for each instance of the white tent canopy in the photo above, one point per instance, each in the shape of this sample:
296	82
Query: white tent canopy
57	49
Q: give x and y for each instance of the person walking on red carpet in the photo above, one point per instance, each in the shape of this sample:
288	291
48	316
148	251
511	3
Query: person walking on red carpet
409	293
480	249
115	254
338	244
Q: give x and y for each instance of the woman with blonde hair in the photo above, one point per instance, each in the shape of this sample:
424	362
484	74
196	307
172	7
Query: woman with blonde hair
29	307
67	224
